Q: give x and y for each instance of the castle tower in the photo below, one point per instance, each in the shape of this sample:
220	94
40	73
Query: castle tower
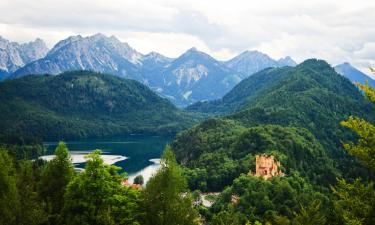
266	167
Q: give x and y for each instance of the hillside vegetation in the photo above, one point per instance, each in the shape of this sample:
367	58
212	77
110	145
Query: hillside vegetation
84	104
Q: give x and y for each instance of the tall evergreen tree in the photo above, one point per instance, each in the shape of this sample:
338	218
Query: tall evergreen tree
54	179
9	200
31	210
167	201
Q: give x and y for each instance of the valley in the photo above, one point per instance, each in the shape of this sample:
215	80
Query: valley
94	119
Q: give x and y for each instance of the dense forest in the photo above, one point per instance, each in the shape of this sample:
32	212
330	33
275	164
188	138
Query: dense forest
39	192
294	114
313	121
311	95
84	104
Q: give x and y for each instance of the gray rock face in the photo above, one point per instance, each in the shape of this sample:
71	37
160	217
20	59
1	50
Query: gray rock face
97	53
196	76
14	56
250	62
353	74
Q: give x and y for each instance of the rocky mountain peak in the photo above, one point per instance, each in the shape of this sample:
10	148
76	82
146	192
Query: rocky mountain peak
14	55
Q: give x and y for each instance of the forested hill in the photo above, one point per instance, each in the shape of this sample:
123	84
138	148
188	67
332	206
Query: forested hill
311	95
308	102
84	104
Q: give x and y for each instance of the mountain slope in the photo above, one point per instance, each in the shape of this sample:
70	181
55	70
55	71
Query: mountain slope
84	104
250	62
218	150
311	95
353	74
196	76
13	55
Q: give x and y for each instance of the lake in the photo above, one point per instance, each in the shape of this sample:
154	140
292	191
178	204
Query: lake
134	154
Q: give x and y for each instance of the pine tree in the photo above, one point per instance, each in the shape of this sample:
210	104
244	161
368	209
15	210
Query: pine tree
31	209
54	179
9	199
167	201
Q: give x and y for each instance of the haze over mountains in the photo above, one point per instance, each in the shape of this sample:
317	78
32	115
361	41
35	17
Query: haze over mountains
194	76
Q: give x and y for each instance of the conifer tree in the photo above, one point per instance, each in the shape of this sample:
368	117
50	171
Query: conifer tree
31	208
54	179
9	200
167	201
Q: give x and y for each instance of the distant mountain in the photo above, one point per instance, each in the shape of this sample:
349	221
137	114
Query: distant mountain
14	55
152	66
354	74
196	76
84	104
250	62
96	53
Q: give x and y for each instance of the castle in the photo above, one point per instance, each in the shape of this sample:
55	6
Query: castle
266	167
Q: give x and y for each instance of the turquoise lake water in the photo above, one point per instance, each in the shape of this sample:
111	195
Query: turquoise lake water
141	151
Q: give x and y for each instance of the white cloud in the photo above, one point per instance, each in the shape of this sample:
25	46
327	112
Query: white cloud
333	30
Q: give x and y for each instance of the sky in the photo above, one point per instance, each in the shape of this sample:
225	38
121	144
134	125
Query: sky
334	30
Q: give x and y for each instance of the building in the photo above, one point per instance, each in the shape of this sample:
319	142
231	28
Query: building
266	167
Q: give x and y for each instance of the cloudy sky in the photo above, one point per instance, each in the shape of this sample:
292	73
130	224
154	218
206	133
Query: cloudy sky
333	30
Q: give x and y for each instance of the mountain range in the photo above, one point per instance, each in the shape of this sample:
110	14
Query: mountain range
194	76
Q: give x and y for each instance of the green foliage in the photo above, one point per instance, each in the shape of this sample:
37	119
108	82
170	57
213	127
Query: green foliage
311	95
223	150
272	200
364	149
54	179
355	202
167	201
84	104
227	218
9	199
310	215
96	196
369	91
31	211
